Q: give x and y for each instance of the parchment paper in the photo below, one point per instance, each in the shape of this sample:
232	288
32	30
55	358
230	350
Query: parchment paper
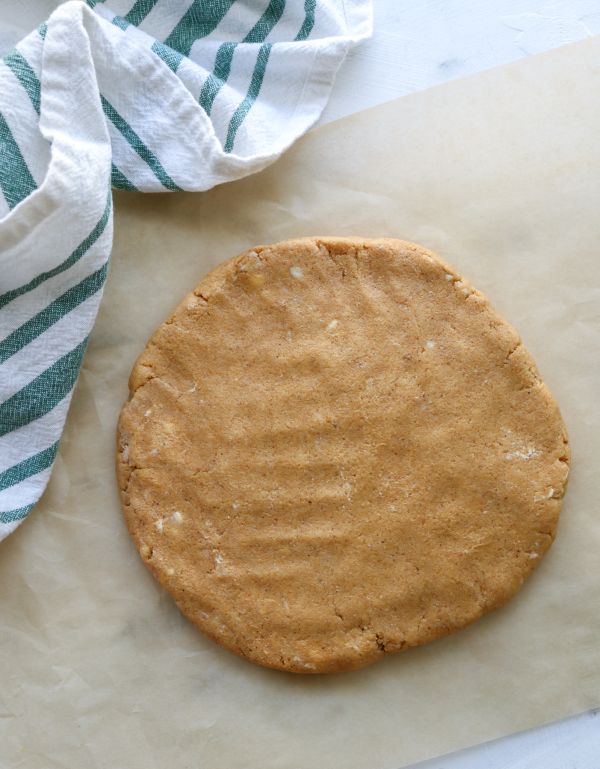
500	174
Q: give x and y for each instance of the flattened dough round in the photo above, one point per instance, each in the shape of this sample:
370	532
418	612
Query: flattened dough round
335	448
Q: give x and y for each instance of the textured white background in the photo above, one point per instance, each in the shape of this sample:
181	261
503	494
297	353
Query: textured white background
417	44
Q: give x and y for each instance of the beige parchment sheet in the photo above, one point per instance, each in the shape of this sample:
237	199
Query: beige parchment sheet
500	174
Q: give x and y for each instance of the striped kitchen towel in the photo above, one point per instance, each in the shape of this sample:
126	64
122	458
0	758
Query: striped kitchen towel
148	95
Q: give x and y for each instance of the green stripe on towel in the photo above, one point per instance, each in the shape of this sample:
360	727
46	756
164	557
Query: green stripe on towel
28	467
22	70
43	393
266	23
200	19
255	84
138	145
12	516
140	10
16	180
75	256
120	181
52	313
170	57
309	19
215	81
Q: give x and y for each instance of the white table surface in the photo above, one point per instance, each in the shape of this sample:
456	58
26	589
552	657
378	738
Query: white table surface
418	44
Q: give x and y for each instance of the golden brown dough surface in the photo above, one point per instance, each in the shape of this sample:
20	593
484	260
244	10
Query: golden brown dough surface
335	448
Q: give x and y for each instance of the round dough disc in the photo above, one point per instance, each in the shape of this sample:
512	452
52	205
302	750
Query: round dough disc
335	448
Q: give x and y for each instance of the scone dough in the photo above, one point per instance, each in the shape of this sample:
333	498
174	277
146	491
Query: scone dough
336	448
